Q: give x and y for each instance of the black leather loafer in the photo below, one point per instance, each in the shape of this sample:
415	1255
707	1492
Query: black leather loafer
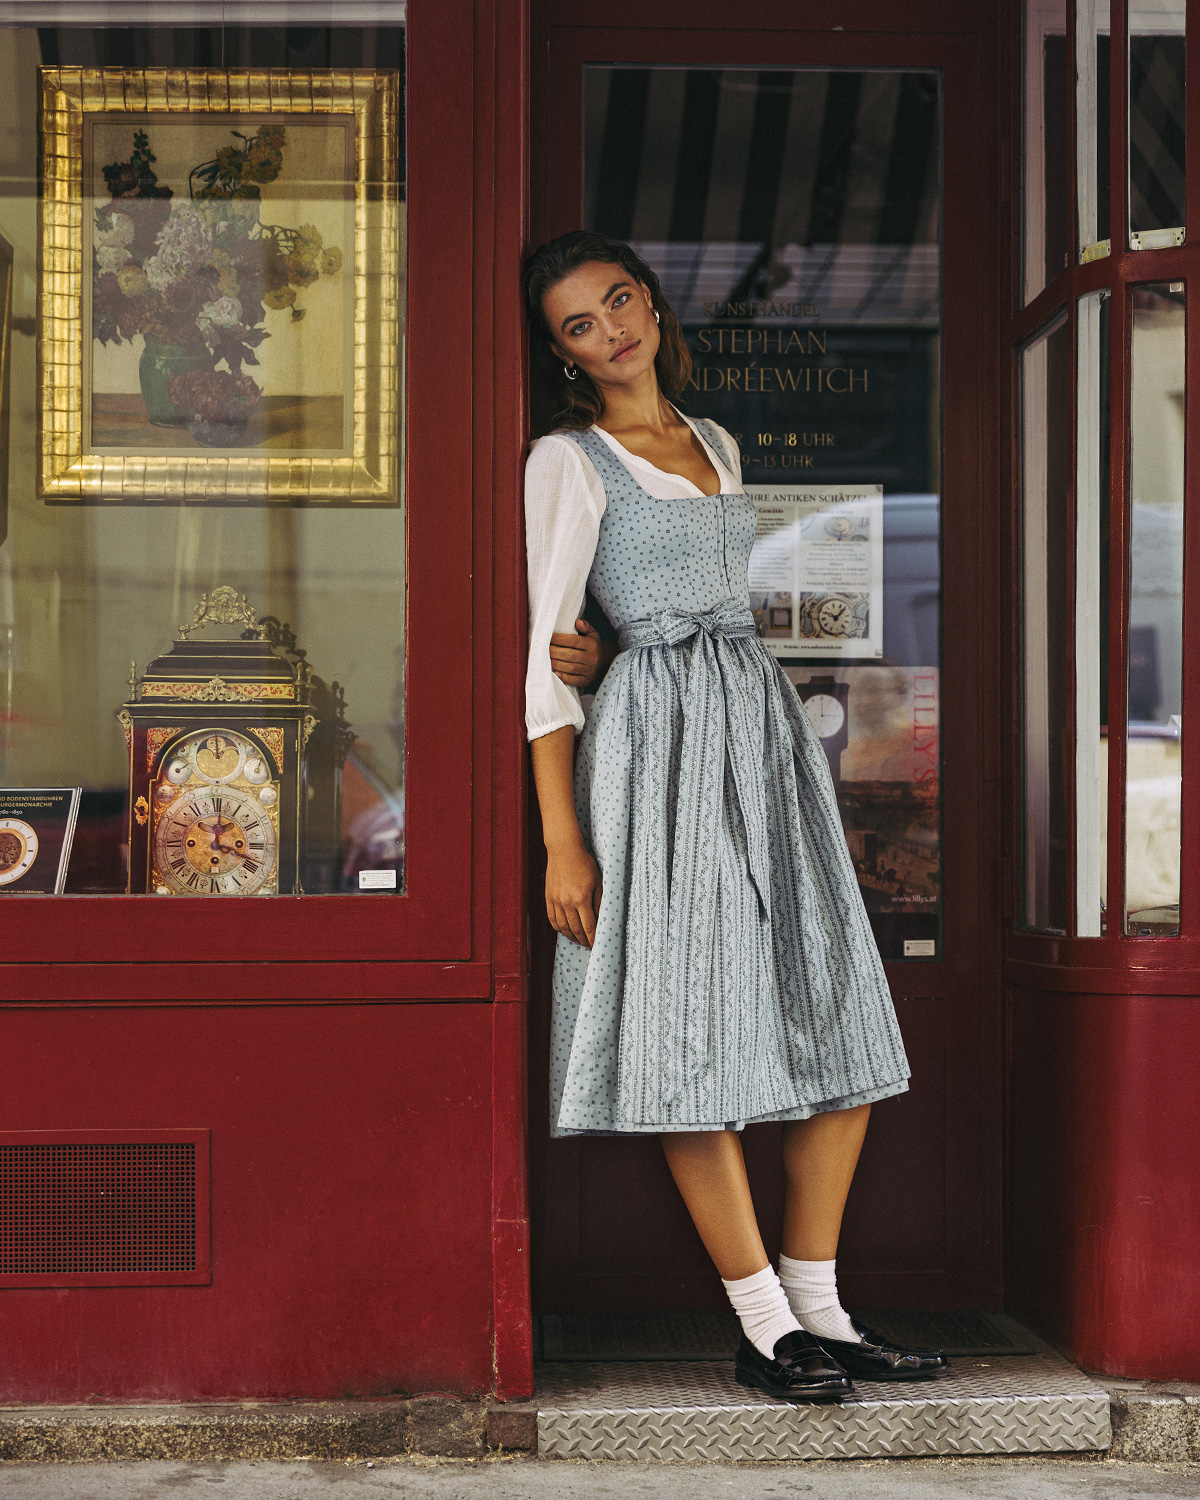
876	1359
800	1371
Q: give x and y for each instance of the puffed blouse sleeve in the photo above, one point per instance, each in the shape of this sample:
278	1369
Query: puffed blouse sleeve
564	501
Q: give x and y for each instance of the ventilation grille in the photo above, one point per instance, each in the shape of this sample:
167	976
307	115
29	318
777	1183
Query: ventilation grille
102	1211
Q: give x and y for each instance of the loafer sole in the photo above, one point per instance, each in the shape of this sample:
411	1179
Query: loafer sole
814	1395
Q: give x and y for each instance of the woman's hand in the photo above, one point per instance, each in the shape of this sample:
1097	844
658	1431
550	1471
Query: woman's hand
575	659
573	889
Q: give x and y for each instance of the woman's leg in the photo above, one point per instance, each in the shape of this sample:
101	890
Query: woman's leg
708	1168
819	1157
710	1172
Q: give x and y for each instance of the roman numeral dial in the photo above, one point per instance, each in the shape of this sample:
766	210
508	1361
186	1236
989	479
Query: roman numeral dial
219	841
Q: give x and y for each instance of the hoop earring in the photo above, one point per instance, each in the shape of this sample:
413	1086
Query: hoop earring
657	319
570	374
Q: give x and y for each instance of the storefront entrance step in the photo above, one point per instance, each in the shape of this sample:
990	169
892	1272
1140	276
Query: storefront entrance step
1155	1421
188	1432
692	1411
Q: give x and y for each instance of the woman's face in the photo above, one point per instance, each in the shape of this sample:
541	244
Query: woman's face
601	319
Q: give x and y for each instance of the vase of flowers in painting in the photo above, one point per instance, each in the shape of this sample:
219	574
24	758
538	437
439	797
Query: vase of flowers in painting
159	365
197	278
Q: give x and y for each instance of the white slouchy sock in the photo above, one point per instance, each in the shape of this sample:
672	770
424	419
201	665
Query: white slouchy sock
762	1306
811	1287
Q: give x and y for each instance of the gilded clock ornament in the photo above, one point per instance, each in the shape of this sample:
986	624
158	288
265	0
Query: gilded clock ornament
233	786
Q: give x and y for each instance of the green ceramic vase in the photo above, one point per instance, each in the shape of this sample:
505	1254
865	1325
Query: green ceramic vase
158	363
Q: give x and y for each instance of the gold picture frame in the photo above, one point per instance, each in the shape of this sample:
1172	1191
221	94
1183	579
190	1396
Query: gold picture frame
110	432
6	332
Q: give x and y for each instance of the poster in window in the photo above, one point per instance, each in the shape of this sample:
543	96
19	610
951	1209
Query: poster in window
816	570
887	778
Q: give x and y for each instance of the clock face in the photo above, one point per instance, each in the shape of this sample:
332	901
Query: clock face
18	849
835	617
216	841
217	756
825	714
215	818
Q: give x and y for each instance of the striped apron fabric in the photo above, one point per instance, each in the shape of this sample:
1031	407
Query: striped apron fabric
734	975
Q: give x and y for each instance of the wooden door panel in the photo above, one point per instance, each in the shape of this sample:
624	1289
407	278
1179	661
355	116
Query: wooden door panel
922	1225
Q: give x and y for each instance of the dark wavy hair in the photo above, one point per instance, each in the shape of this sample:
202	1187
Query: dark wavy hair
557	401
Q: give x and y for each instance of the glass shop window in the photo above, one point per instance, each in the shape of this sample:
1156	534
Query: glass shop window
1092	51
1157	124
202	569
794	219
1045	365
1092	471
1046	170
1155	671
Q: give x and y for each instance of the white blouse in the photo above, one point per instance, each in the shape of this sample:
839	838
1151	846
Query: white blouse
564	501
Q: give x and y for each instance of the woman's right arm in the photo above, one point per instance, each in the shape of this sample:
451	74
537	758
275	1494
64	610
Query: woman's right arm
563	505
572	875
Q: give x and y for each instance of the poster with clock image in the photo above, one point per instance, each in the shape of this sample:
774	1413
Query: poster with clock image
880	729
816	570
37	825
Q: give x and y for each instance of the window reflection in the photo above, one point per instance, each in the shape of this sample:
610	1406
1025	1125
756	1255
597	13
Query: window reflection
1046	479
1157	129
794	219
1046	168
1091	612
1092	50
86	588
1155	666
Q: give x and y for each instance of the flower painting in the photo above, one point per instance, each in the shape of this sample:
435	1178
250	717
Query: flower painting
221	287
219	313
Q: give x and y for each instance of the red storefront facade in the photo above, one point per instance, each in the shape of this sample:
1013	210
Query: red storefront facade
362	1078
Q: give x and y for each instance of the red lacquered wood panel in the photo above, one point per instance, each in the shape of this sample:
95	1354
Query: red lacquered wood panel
365	1095
1104	1197
351	1201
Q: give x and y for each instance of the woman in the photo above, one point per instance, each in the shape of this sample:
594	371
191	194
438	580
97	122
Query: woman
715	965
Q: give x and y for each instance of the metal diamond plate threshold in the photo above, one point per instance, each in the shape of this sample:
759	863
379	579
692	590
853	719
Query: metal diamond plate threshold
690	1412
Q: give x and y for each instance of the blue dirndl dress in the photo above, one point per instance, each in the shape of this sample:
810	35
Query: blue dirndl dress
734	975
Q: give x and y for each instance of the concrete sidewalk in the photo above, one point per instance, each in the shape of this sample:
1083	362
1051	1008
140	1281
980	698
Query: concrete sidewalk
525	1479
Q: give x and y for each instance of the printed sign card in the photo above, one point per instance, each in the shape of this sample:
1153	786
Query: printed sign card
37	825
816	571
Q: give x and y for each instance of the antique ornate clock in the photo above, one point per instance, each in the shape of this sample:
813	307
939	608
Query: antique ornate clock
220	772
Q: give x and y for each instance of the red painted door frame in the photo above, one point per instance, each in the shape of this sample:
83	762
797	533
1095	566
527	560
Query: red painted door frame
606	1218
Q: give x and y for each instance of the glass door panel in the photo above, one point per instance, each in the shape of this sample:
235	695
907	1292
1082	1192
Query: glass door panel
1045	565
794	219
1157	449
1092	51
1093	349
1157	124
1047	169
